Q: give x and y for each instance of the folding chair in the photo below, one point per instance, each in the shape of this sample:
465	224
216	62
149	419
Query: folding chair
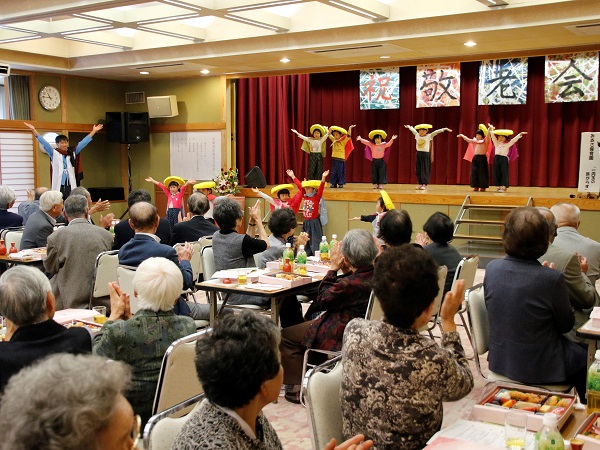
13	235
162	429
374	311
466	270
437	302
178	380
125	276
322	399
105	270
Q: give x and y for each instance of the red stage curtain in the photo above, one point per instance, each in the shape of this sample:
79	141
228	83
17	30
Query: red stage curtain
549	153
267	108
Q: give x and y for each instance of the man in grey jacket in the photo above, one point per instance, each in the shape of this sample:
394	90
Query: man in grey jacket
582	293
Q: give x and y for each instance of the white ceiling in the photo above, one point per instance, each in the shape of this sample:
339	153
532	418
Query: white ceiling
117	39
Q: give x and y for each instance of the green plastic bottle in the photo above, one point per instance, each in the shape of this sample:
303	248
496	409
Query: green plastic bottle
333	241
549	438
324	249
301	261
593	385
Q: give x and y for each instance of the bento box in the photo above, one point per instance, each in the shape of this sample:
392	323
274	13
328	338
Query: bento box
589	431
533	401
288	280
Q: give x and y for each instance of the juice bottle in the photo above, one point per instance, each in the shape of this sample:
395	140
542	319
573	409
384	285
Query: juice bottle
593	385
288	253
549	438
301	261
324	249
287	266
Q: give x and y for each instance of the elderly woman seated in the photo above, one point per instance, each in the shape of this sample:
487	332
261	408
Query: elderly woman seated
340	298
239	368
439	231
394	379
530	310
69	402
141	340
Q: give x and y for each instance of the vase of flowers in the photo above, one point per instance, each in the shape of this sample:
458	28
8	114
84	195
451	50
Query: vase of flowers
227	182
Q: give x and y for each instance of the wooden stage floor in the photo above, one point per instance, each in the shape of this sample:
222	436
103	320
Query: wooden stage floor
453	195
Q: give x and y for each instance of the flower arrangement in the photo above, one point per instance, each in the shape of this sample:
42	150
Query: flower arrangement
227	182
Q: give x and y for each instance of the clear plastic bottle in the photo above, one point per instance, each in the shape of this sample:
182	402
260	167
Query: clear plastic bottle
301	261
324	249
593	385
288	253
333	241
549	438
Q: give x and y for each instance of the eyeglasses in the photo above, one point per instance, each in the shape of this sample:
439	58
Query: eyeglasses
135	431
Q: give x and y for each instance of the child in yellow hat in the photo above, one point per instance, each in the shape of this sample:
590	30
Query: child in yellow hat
378	151
315	147
175	192
341	148
424	151
505	152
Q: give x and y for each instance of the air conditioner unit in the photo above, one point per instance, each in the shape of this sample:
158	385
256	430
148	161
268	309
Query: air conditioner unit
162	106
4	70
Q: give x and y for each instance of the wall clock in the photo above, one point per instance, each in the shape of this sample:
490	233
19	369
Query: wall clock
49	98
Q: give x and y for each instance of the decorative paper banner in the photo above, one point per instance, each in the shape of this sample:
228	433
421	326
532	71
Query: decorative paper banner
572	77
503	81
380	88
438	85
589	163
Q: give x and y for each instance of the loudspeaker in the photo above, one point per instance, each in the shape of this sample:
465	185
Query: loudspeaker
115	126
136	128
255	178
163	106
127	128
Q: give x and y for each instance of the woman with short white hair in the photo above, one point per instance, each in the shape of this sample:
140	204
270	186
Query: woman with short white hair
141	340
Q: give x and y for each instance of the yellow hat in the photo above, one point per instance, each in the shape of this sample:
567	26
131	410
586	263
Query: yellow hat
280	187
387	201
206	185
423	126
311	183
483	128
180	181
319	127
374	133
336	128
503	132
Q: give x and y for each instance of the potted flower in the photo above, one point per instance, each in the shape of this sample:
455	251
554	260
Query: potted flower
227	182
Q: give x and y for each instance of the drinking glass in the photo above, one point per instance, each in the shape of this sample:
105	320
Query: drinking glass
515	429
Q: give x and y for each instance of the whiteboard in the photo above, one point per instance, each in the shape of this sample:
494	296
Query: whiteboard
196	154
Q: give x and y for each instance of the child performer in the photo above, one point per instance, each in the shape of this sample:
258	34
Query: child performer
64	161
341	148
424	151
174	195
283	196
312	192
505	152
315	147
381	207
378	152
206	188
479	153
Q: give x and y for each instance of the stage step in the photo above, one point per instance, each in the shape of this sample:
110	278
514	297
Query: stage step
495	207
472	237
480	221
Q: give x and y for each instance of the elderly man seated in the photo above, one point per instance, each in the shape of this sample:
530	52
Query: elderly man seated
7	200
42	222
27	304
141	340
32	204
341	298
72	253
395	228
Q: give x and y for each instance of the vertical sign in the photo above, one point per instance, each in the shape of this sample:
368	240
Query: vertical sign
438	85
503	81
572	77
589	163
380	88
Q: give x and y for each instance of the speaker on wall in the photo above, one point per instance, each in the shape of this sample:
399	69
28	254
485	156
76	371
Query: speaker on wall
136	129
115	126
127	128
255	178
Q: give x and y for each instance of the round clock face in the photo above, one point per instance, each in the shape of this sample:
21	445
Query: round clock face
49	98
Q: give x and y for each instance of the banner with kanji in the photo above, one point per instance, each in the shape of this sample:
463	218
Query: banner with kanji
380	88
503	81
572	77
438	85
